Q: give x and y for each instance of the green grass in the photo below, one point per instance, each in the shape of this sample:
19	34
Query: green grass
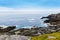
45	37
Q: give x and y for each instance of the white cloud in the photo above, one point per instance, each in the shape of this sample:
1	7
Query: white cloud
6	10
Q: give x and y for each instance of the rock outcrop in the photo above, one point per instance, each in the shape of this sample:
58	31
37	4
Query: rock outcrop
9	28
54	21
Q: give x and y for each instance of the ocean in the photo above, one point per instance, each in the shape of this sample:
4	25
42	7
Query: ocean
22	20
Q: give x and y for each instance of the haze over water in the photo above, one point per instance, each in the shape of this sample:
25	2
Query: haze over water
22	20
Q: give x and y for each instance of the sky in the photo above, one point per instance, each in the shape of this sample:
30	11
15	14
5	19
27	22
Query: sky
27	6
29	3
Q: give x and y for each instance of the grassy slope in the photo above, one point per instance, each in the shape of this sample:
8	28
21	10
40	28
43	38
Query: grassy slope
45	37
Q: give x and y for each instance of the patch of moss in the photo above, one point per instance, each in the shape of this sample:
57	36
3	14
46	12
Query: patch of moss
45	37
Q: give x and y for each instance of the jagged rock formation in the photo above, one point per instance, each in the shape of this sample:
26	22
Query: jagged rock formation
54	21
9	28
34	31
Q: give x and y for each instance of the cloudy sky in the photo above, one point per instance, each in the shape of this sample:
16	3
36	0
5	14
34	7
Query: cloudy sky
27	6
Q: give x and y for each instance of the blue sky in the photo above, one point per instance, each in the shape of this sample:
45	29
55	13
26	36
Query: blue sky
29	5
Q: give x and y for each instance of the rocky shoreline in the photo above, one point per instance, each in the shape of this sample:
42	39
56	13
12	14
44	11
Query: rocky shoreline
53	22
